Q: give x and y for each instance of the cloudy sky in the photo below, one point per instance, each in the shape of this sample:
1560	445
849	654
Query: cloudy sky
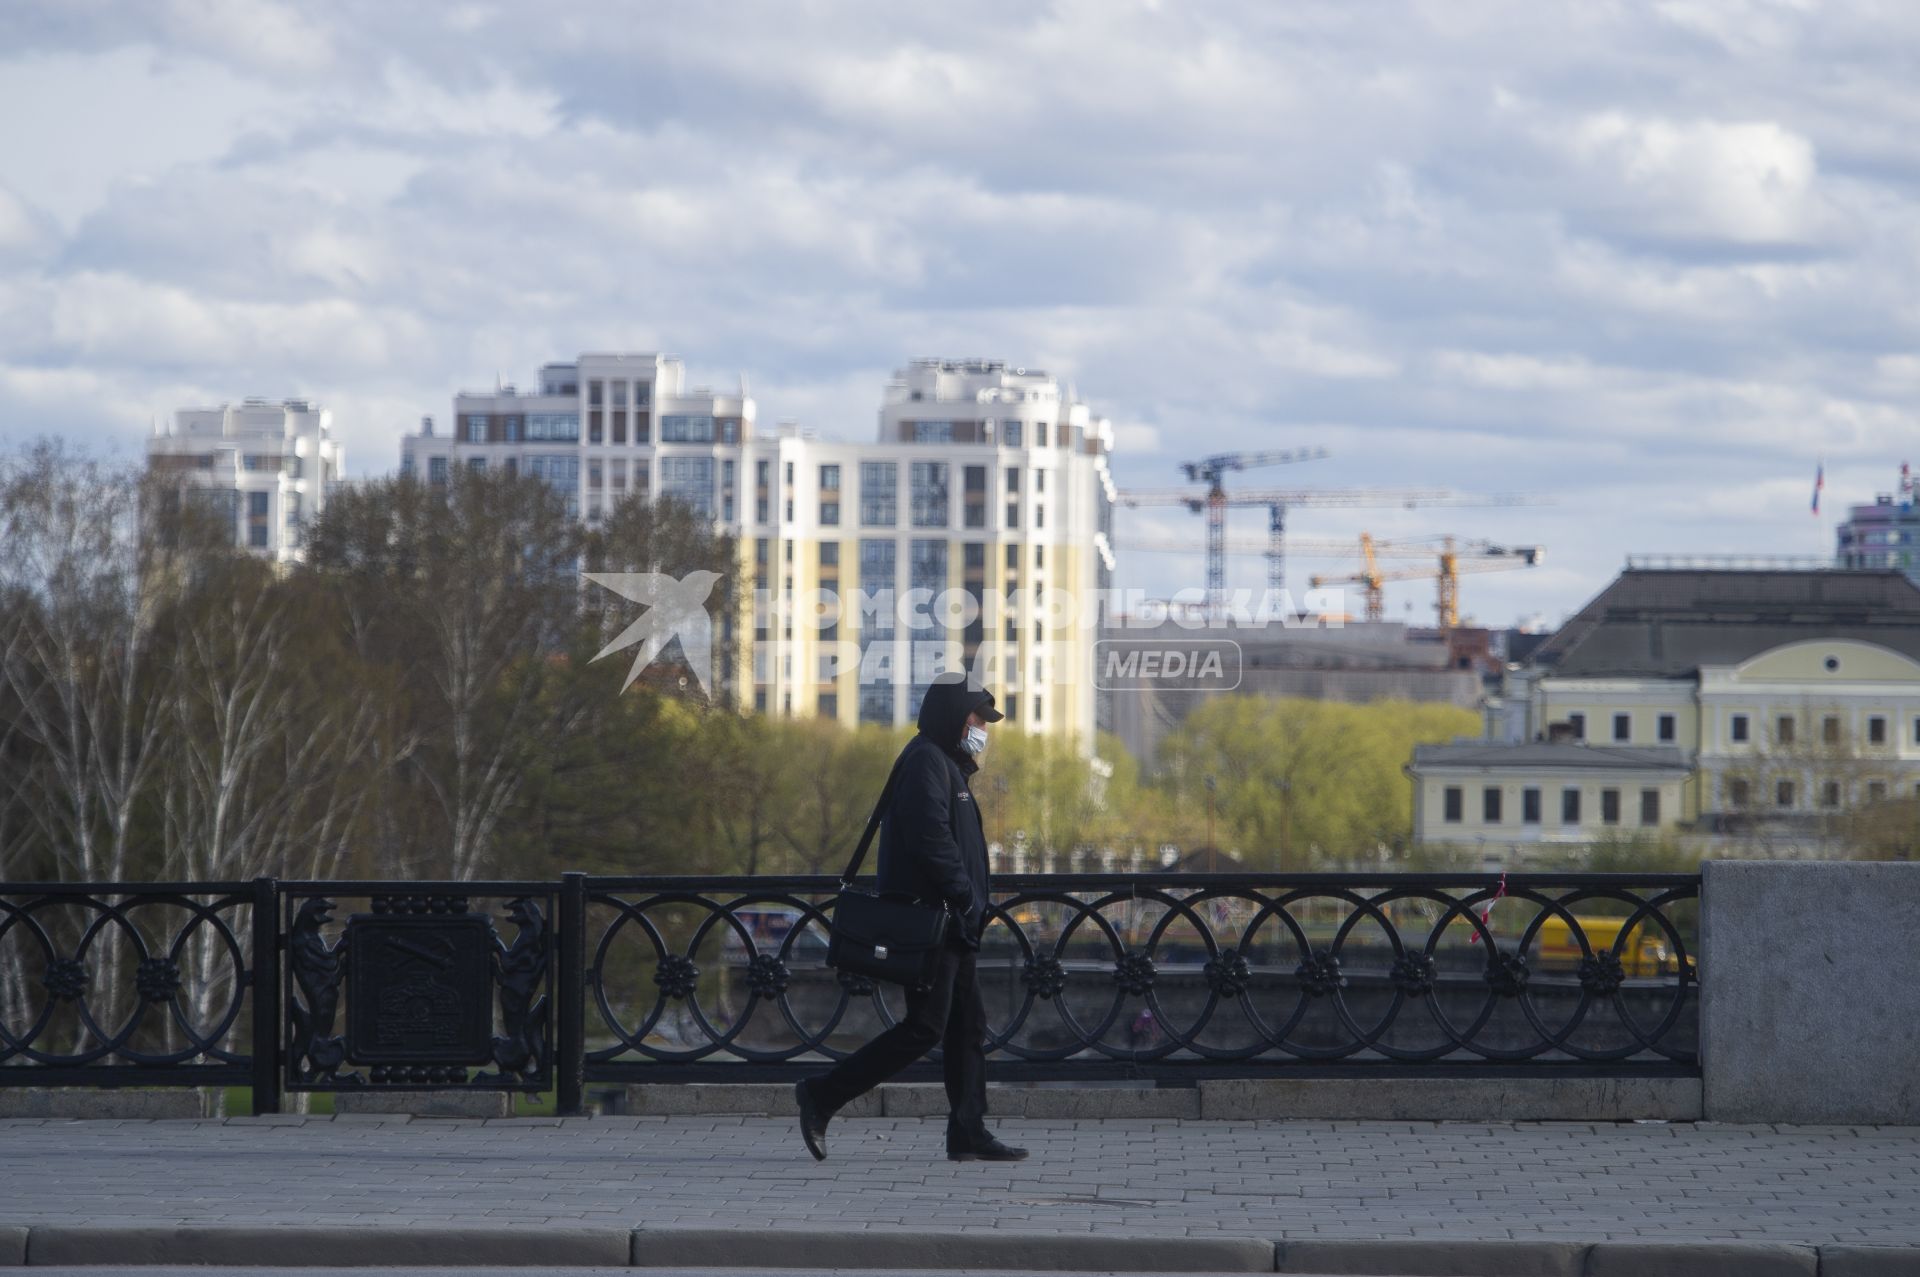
1650	261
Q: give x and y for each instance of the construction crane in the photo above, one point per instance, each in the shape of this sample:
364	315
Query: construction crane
1479	556
1210	470
1213	502
1298	547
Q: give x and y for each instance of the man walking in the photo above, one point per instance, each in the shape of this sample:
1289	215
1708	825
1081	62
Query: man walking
934	848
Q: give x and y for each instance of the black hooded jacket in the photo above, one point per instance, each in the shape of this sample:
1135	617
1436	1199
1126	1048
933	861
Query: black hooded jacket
932	843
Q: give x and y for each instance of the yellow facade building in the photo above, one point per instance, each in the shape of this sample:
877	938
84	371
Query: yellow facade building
1717	702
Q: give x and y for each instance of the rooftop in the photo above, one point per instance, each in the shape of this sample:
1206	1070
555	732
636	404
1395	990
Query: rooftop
1567	754
1667	623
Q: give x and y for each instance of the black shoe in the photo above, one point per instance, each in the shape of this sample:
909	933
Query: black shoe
987	1150
813	1126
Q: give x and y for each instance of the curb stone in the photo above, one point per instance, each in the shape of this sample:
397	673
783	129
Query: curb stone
1405	1257
1869	1261
995	1251
543	1247
310	1247
1702	1259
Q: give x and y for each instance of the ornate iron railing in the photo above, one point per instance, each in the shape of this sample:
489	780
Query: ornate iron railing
1169	976
617	980
155	977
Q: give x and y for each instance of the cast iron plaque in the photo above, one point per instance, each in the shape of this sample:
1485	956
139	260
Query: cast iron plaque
420	989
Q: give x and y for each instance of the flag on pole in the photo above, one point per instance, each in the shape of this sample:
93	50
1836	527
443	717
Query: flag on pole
1819	482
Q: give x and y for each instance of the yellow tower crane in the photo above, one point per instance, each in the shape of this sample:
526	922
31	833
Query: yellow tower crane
1453	559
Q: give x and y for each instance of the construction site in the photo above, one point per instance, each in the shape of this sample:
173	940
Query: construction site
1349	652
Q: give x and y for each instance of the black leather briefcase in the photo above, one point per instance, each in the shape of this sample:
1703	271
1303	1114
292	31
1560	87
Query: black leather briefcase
892	938
887	937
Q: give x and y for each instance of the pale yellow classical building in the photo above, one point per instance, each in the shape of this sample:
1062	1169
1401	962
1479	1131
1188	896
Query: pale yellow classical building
1715	702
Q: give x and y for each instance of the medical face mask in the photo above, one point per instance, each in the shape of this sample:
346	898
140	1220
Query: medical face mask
975	741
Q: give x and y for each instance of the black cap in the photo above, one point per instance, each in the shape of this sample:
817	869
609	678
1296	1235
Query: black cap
983	706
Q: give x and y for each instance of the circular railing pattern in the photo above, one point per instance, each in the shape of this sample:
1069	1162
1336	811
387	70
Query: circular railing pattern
126	976
1400	968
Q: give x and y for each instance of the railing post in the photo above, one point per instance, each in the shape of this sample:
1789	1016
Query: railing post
570	1047
265	980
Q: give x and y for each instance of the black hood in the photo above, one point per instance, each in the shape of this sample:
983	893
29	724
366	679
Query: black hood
943	715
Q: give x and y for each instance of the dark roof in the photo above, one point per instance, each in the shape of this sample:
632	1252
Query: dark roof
1653	623
1571	754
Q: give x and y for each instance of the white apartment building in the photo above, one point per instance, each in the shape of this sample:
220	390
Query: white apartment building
987	489
270	464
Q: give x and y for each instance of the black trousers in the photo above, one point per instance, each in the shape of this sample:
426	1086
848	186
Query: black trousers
949	1015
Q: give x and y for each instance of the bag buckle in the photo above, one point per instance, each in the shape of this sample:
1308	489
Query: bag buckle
880	953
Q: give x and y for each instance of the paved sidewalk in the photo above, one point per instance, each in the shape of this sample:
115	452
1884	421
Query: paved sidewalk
1298	1180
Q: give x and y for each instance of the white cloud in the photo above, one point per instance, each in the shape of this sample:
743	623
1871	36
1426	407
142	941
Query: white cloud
1607	253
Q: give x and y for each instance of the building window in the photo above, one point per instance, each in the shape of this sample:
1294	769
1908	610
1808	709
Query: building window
1609	806
680	427
257	536
1570	806
1623	727
829	478
1578	723
1876	790
476	465
829	553
1739	793
1040	433
1830	730
879	494
1830	793
1455	800
929	494
1666	727
828	705
1876	730
436	469
688	480
1783	793
974	556
1490	805
1530	806
931	431
544	426
1783	730
1738	728
1650	807
975	509
476	427
1010	434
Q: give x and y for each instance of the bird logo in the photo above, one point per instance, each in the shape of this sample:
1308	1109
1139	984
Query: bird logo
676	610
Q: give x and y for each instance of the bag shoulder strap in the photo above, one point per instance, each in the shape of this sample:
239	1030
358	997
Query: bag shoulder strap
873	823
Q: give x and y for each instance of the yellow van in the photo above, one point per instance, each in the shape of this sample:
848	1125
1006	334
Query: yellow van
1645	954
